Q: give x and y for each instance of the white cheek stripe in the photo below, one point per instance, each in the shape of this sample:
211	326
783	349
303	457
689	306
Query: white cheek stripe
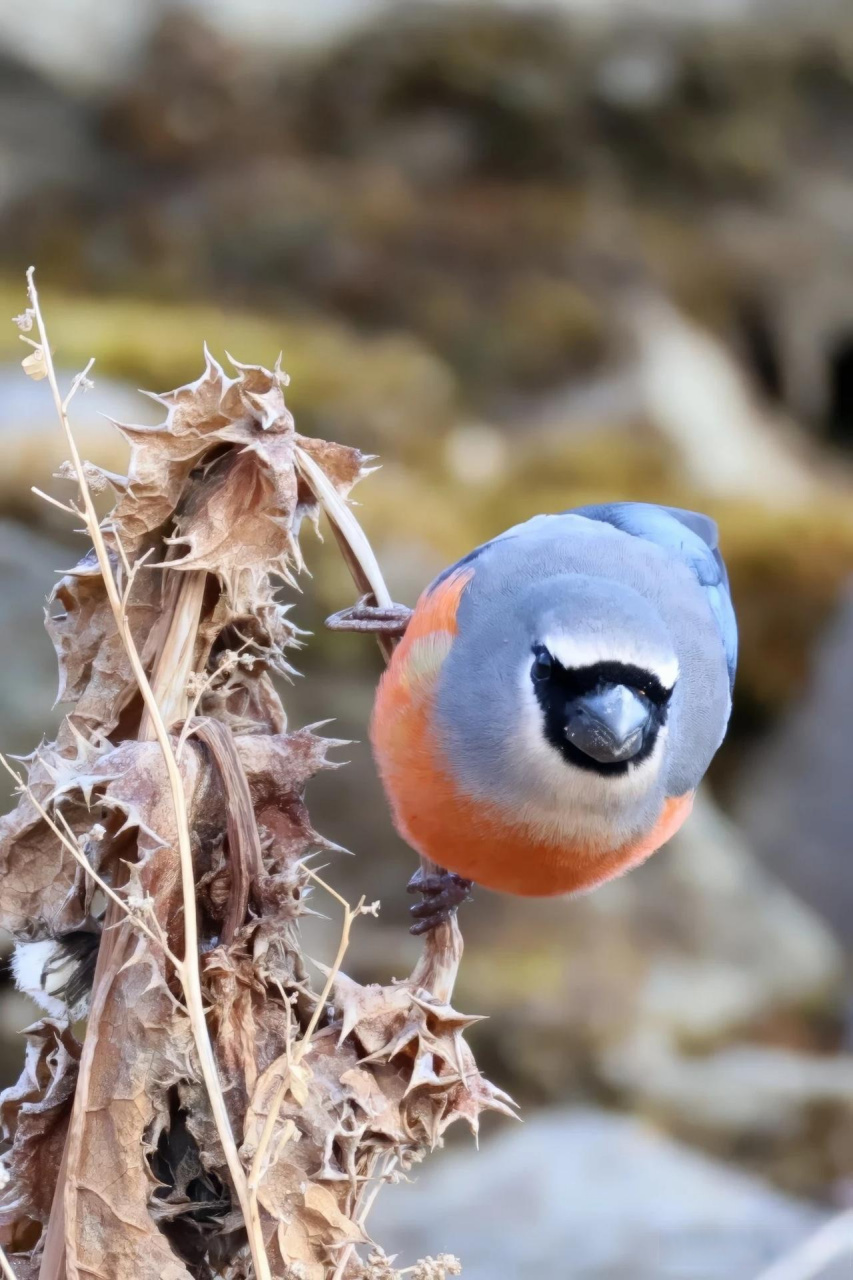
586	651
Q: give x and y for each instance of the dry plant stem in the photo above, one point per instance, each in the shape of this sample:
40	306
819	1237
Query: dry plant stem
833	1240
6	1267
351	538
437	969
54	502
175	664
53	1253
189	973
244	844
438	966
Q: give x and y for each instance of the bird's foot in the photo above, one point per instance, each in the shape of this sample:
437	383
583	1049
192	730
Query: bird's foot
388	620
443	892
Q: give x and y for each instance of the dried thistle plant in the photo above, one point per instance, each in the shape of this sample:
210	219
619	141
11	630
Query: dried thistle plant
222	1117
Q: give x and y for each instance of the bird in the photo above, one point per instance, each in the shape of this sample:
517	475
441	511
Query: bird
554	701
57	970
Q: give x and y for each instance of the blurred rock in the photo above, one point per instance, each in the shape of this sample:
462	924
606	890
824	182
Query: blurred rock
745	1090
739	943
697	396
795	799
585	1195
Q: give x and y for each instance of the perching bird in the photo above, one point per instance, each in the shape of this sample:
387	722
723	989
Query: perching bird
555	701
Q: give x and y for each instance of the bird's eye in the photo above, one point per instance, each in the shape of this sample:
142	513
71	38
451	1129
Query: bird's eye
541	668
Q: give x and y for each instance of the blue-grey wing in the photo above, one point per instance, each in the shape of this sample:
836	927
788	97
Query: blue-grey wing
694	538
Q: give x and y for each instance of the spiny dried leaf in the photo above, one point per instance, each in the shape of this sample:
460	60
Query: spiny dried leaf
378	1266
34	1117
347	1109
332	1120
41	885
162	457
110	1228
241	511
256	622
343	466
278	768
250	1026
122	789
94	670
239	516
377	1012
422	1039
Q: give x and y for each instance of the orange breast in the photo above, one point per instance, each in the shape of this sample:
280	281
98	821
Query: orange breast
452	829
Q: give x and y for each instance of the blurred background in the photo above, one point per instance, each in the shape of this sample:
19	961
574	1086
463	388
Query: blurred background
533	257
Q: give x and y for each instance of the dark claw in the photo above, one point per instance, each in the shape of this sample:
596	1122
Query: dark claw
443	891
442	902
391	620
428	884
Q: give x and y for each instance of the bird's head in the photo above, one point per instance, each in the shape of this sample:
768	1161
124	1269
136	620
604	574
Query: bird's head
599	676
561	695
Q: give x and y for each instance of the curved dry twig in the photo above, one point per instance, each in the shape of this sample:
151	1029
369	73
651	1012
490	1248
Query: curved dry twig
438	966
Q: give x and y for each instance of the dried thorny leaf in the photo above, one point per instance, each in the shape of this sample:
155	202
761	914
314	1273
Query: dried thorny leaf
146	1050
422	1040
240	513
279	768
39	875
251	1032
34	1117
115	801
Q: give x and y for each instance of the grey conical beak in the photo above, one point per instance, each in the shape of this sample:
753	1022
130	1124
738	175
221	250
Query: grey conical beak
609	725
